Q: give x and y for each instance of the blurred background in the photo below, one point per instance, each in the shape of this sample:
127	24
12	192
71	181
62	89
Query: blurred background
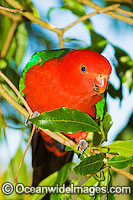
102	33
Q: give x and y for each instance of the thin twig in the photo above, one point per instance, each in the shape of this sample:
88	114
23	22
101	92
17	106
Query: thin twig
103	10
122	172
11	10
13	102
121	1
55	136
9	39
62	139
111	13
125	12
61	40
24	112
12	16
17	92
32	18
29	142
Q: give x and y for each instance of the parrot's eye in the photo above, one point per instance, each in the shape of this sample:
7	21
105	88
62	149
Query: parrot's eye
83	68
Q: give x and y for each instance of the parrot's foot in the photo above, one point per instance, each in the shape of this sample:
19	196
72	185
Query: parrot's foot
35	114
82	145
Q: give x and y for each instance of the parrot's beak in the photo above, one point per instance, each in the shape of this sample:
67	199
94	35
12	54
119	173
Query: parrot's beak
101	82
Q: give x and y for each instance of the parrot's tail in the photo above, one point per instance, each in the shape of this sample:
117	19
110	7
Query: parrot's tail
45	162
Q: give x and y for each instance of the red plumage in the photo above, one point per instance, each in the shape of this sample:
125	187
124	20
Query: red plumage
60	82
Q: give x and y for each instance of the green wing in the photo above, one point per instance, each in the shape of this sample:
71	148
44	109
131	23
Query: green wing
39	58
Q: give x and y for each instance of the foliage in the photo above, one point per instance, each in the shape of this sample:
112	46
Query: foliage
93	170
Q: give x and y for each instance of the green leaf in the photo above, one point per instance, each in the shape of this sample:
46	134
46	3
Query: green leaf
127	78
11	50
110	184
63	173
98	42
49	181
106	183
98	194
89	183
121	162
3	64
28	6
5	24
78	9
123	148
123	68
74	6
106	124
62	177
115	92
11	172
85	197
21	37
66	120
90	165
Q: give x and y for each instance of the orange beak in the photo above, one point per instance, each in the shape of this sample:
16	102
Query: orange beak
101	82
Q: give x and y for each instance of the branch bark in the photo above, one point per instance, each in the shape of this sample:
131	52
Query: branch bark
122	172
11	10
13	102
62	139
9	39
32	18
17	92
103	10
11	15
110	13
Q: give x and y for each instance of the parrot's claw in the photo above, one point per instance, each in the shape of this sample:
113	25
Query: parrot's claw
82	145
35	114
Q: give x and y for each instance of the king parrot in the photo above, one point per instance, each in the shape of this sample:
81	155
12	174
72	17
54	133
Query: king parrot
54	79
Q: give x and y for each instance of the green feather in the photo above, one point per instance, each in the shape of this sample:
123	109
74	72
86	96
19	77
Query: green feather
39	58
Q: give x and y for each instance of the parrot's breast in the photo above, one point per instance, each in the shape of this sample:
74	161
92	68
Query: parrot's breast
44	91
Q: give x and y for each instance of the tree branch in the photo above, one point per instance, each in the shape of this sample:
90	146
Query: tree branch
124	12
17	92
60	32
103	10
9	39
13	102
61	40
111	13
62	139
11	10
121	1
32	18
59	137
122	172
12	16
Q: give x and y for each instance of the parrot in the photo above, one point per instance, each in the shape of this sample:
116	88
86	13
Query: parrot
59	78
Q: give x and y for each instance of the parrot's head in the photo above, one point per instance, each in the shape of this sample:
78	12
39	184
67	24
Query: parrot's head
85	72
